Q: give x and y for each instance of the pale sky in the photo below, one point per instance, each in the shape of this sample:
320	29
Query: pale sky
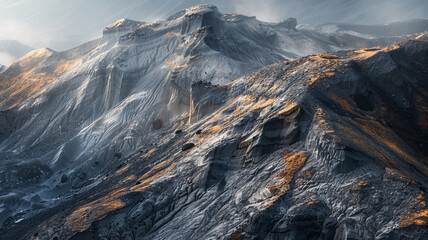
62	24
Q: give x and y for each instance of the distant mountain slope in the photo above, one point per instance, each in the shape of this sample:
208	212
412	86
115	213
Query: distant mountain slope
11	50
36	69
69	118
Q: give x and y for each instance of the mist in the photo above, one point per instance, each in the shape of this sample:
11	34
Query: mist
61	25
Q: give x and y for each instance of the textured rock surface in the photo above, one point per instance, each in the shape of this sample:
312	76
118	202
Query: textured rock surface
319	147
332	145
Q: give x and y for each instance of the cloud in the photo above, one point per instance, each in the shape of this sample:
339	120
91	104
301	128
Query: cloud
266	10
6	59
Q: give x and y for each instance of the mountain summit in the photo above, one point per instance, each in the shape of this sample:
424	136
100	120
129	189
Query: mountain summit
216	126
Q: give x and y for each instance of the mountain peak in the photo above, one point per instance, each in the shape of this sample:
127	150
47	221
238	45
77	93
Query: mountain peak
124	22
203	8
196	10
122	25
38	53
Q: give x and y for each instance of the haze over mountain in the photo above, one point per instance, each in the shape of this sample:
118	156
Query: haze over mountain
31	21
208	125
11	50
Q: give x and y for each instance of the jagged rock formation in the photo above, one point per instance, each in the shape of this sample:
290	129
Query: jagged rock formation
144	134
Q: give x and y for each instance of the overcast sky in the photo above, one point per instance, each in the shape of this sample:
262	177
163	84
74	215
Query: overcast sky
62	24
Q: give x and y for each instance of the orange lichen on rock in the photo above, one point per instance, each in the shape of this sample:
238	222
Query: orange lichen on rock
293	161
362	183
121	170
238	109
305	173
273	88
149	153
378	132
262	103
328	56
171	64
215	129
174	65
359	185
156	172
346	104
288	108
321	118
303	178
417	215
349	105
237	237
366	53
376	140
30	80
129	179
170	34
415	218
238	113
249	100
82	218
323	67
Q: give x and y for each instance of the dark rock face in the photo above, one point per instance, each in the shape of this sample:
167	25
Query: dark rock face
290	23
187	146
157	124
64	178
205	98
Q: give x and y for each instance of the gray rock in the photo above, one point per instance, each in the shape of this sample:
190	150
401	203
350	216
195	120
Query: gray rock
187	146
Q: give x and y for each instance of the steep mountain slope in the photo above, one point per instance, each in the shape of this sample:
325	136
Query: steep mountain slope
37	68
70	119
326	146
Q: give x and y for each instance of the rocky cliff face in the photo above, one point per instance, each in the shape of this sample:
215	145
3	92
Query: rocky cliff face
164	131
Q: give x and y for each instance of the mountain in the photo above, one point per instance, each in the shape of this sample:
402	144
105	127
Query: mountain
11	50
179	129
343	34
